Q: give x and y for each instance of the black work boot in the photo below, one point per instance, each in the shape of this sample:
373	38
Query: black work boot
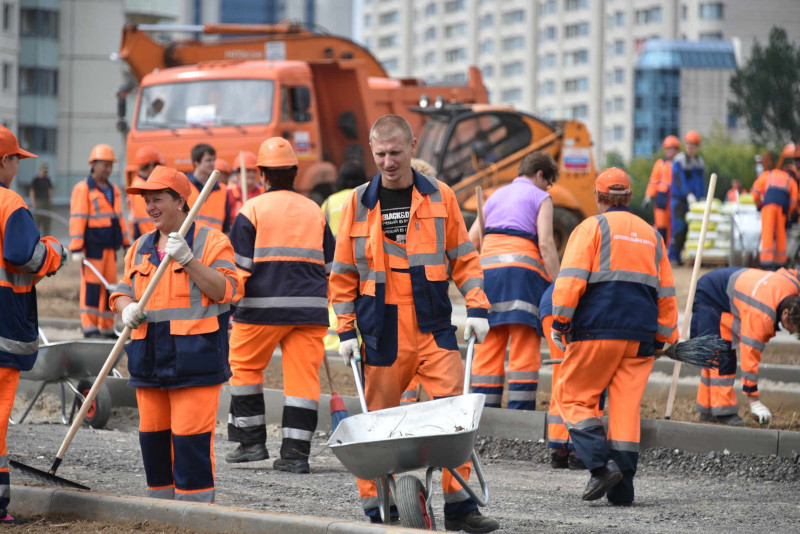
603	478
473	521
574	462
559	459
292	465
247	453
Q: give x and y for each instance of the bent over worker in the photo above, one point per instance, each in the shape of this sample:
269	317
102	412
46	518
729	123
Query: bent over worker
745	307
659	189
177	357
613	305
398	235
284	250
25	258
519	260
775	194
98	230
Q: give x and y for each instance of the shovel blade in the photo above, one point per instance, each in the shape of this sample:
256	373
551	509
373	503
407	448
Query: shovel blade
44	477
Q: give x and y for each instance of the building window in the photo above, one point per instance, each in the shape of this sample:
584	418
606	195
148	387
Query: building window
619	76
619	104
547	7
547	88
455	54
456	78
430	9
37	139
455	5
513	43
34	81
619	131
38	23
429	58
508	95
572	5
576	85
389	18
487	71
547	61
390	64
576	30
7	70
620	19
712	11
454	30
512	69
430	33
578	112
367	21
8	15
487	46
732	120
647	16
710	36
576	57
486	21
548	34
513	17
619	47
388	41
548	112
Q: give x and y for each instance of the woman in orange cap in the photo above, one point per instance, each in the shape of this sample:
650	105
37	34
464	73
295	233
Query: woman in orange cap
178	354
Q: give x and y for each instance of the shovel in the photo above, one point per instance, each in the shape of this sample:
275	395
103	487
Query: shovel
49	477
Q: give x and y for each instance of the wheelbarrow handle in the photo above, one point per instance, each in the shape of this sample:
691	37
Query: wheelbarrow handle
359	385
468	364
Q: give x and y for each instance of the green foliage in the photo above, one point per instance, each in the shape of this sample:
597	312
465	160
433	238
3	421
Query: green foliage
614	159
765	90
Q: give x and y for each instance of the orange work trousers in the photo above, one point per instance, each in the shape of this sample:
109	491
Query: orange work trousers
176	433
773	237
9	378
96	316
662	221
524	361
715	394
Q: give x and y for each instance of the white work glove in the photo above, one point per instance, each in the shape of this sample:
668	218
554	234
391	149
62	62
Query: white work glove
349	349
77	256
178	249
132	316
646	202
558	339
691	199
478	326
761	412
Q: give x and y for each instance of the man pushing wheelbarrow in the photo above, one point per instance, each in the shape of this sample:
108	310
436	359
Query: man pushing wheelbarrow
398	235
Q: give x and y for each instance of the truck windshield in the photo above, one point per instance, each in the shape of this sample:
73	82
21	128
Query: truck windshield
430	141
205	103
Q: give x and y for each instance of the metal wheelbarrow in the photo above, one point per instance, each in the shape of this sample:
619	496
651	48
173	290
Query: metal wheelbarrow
66	362
438	434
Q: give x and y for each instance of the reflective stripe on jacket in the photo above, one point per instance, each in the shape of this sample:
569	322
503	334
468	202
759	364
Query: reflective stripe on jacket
616	282
184	341
215	211
776	187
660	185
436	242
284	250
24	258
94	224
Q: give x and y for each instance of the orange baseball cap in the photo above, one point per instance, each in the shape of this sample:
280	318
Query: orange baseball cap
9	146
163	178
611	177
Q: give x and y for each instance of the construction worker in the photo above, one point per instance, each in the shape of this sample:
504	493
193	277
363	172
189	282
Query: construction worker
660	187
215	211
98	230
224	169
177	356
614	304
147	158
284	250
735	192
519	260
254	187
688	185
398	235
25	258
745	307
775	195
351	174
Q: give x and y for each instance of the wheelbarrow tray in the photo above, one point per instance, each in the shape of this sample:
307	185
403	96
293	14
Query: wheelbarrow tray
439	433
70	359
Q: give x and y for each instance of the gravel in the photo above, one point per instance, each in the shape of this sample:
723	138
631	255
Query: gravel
676	491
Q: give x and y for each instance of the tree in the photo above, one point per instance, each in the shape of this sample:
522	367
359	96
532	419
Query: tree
766	91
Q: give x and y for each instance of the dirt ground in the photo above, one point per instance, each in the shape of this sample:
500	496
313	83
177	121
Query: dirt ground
67	524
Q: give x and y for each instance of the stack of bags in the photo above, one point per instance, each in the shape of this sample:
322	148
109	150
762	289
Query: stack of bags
717	244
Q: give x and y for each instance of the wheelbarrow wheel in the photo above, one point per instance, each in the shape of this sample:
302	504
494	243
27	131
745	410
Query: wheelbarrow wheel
99	412
411	497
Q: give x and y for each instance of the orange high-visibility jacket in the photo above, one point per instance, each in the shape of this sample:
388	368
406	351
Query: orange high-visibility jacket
24	258
660	184
755	297
215	211
94	224
284	251
775	187
185	337
616	283
235	201
436	243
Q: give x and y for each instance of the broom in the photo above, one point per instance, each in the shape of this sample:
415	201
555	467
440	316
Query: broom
338	409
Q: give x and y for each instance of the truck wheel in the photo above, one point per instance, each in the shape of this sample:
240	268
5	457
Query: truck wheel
564	222
99	412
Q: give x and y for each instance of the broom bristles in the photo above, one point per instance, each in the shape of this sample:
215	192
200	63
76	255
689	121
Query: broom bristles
338	410
702	351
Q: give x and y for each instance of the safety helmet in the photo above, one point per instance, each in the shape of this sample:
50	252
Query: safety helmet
276	152
250	162
788	151
671	141
693	137
103	153
222	166
147	154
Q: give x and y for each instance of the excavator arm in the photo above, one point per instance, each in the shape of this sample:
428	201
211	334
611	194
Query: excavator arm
286	40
